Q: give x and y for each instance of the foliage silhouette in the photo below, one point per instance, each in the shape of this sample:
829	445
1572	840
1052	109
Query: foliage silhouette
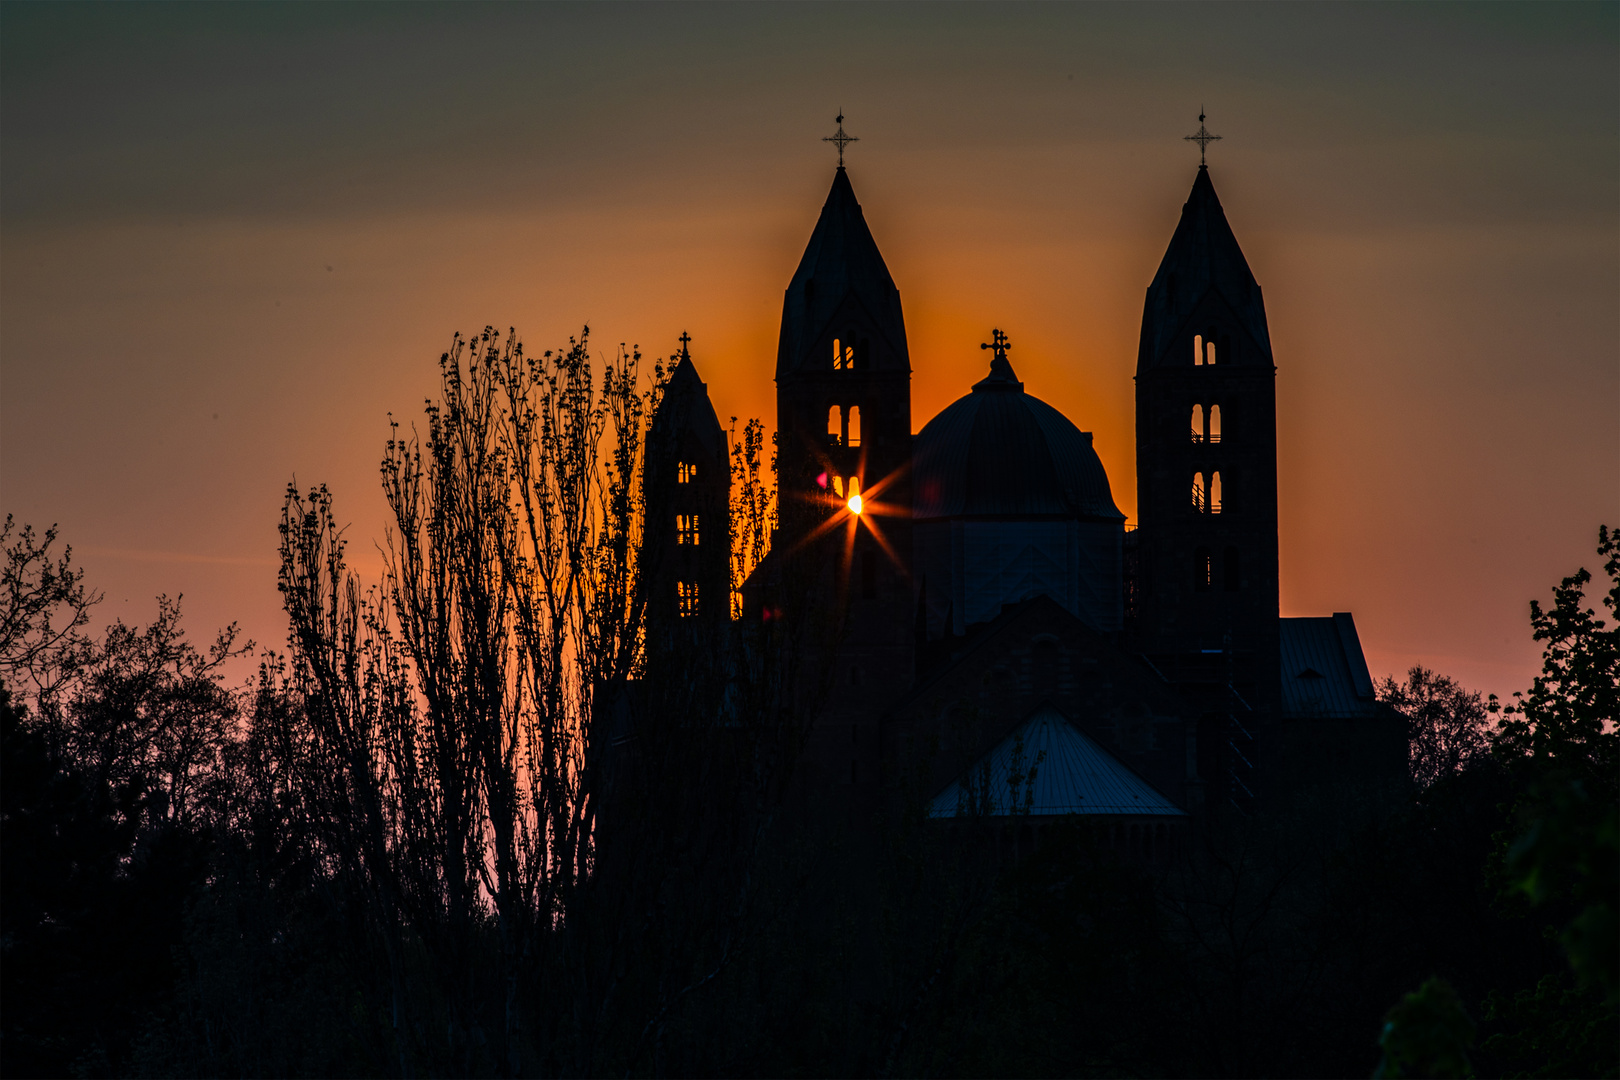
472	822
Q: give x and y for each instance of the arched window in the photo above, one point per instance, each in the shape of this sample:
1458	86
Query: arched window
854	426
835	424
686	529
1198	350
843	355
1203	570
687	594
1209	349
1215	492
1199	495
684	473
838	486
1198	423
854	486
1232	570
1214	423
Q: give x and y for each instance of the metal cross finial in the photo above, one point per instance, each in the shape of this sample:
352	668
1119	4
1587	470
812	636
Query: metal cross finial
1202	137
839	139
1000	343
685	339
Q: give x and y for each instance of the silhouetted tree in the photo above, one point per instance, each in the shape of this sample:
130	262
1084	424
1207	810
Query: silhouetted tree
44	607
1449	727
466	736
116	777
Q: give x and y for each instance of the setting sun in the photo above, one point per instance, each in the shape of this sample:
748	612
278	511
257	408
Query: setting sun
855	504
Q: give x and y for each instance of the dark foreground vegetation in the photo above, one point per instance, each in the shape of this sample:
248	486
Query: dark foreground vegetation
426	841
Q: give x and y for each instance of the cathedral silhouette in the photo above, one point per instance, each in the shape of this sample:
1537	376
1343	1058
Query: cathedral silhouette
991	610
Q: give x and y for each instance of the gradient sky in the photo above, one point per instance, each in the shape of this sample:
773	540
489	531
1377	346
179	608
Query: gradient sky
234	238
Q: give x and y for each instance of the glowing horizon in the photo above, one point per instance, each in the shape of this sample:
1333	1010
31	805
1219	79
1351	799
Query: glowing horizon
236	239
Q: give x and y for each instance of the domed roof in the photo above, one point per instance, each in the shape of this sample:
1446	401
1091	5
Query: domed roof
999	452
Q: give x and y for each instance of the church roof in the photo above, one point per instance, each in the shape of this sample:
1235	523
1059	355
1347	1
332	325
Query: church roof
1203	258
1324	674
685	407
999	452
841	261
1073	775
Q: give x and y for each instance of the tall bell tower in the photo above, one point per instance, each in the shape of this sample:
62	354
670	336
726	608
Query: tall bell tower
1206	611
843	414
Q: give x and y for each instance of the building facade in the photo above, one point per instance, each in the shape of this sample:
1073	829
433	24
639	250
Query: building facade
975	582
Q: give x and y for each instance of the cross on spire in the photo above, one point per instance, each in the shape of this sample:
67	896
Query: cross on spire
839	139
685	339
999	342
1202	137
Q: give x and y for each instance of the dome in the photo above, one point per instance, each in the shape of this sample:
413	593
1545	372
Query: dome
1001	453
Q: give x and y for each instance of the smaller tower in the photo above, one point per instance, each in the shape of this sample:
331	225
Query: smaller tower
686	552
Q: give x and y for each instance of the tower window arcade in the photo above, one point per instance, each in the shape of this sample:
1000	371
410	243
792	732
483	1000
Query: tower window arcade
843	354
686	529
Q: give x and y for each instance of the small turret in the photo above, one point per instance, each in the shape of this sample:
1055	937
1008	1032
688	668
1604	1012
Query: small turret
687	483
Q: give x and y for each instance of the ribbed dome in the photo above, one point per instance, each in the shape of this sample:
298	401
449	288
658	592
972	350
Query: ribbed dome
998	452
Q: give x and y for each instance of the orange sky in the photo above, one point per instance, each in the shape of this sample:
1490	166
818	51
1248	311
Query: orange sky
232	239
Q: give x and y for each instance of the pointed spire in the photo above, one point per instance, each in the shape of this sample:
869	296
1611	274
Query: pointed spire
1203	260
685	404
841	262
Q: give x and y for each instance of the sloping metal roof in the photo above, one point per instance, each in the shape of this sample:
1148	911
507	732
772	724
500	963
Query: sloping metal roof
1074	775
999	452
1324	674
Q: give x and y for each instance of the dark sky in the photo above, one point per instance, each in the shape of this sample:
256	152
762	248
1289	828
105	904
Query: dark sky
233	238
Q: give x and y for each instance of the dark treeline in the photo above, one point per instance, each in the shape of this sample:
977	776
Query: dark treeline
470	821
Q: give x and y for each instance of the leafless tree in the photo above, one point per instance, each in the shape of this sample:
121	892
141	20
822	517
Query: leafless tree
460	721
44	607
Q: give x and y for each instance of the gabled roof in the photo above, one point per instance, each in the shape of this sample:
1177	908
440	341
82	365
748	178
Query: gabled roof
1202	263
841	260
1324	674
1073	775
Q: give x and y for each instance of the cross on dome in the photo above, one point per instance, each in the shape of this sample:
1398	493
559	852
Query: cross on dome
1202	137
839	139
999	342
